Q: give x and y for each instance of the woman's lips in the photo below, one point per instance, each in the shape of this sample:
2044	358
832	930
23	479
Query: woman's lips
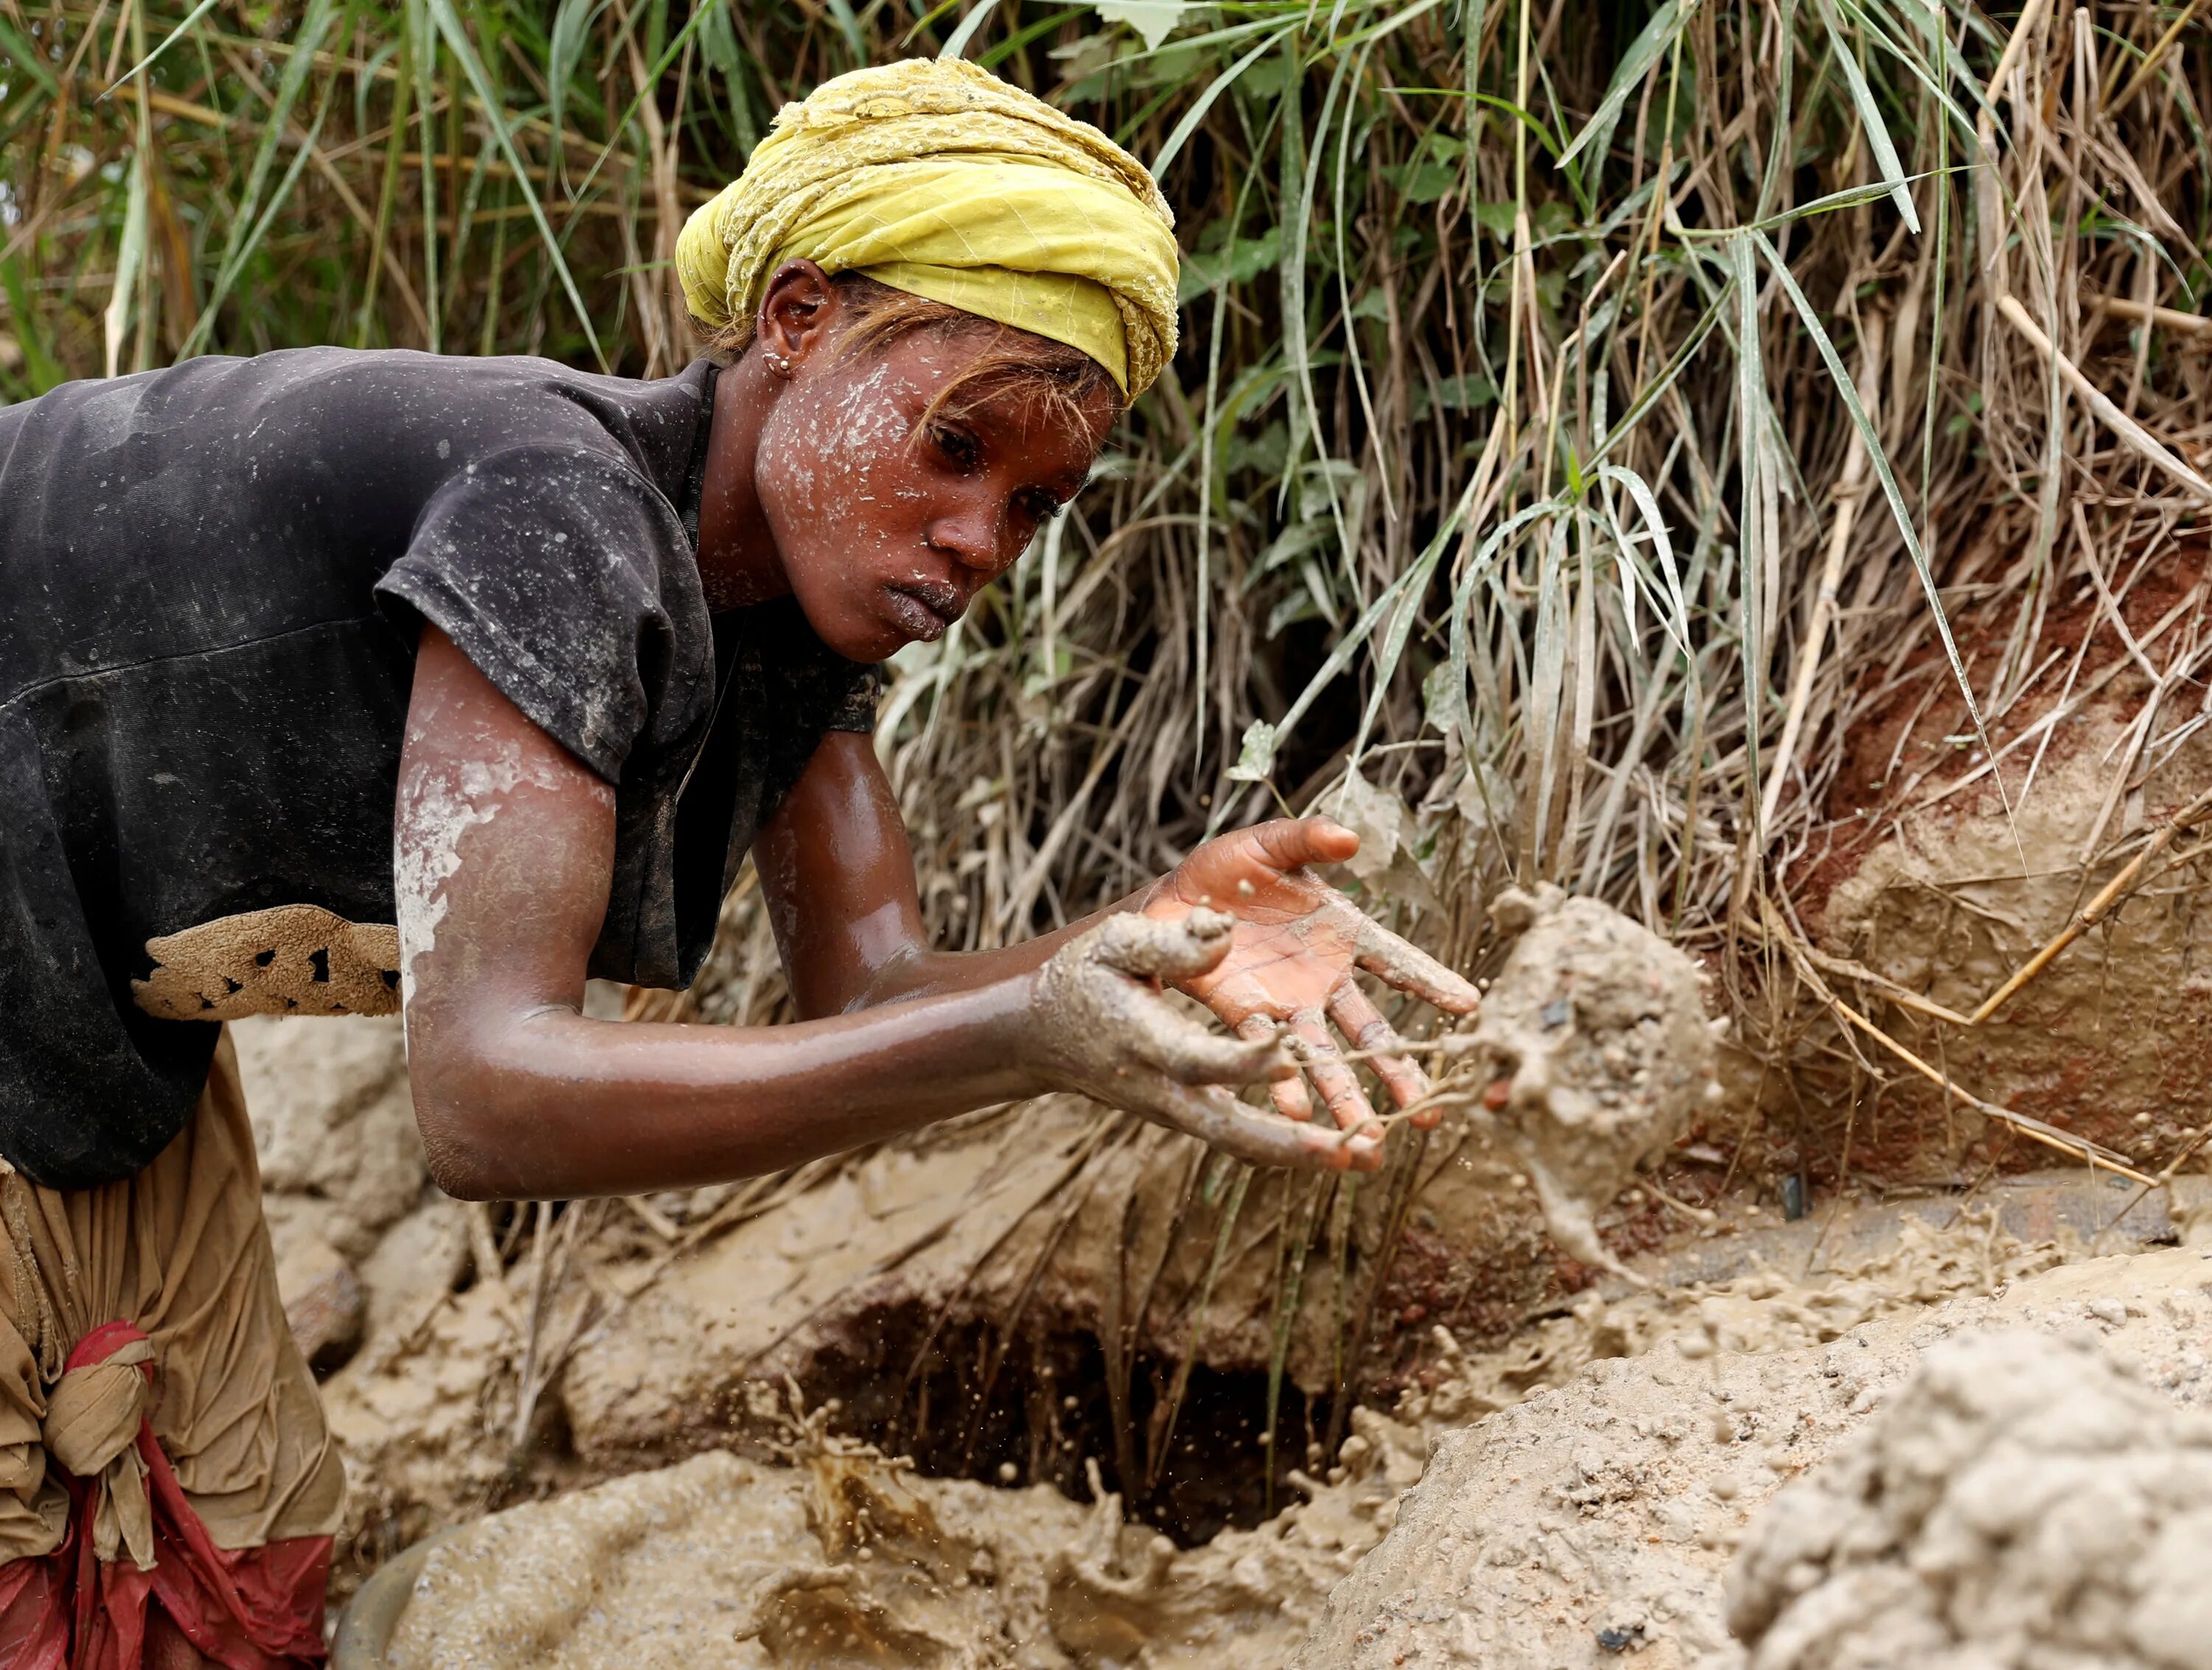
923	612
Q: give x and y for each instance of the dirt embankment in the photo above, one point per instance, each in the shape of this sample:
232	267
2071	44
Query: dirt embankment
1936	879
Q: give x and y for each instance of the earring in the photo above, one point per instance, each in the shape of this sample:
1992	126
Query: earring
777	363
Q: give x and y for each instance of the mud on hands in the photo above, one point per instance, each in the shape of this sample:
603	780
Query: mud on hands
1290	973
1279	967
1108	1030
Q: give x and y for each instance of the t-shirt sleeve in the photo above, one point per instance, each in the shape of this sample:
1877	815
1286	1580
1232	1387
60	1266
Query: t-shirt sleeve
545	565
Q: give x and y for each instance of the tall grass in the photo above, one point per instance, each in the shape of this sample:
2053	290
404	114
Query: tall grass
1521	351
1586	414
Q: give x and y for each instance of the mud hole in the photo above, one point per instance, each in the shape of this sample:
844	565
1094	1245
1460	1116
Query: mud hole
1048	1388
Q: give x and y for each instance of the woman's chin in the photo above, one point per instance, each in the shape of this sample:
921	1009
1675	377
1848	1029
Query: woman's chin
866	640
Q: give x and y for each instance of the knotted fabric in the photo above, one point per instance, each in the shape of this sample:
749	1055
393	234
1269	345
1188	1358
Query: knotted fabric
936	178
177	1460
95	1416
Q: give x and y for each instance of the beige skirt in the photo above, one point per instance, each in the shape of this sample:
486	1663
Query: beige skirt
180	1254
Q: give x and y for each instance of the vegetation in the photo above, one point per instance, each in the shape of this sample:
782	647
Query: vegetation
1536	451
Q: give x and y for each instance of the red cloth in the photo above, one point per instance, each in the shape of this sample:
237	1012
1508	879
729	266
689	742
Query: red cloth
245	1608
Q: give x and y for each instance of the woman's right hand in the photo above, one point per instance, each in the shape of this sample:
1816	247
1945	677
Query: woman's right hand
1103	1028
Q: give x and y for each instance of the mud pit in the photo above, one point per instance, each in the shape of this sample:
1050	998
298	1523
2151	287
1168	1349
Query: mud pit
607	1340
841	1558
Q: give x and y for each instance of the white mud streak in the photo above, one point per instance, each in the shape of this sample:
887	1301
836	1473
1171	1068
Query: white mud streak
1593	1523
2019	1504
1596	1048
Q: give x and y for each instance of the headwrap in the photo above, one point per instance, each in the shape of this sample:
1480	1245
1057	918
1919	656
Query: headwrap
936	178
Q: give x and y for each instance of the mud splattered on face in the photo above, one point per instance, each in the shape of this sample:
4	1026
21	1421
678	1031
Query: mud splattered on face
889	515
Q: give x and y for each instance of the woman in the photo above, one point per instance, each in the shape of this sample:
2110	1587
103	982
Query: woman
331	681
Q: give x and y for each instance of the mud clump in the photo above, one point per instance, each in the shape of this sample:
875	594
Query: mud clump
2018	1503
845	1558
1597	1050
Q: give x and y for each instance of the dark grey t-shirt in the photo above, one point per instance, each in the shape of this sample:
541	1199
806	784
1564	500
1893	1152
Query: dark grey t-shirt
211	579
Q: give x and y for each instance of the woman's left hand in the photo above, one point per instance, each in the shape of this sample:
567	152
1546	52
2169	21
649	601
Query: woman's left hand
1289	964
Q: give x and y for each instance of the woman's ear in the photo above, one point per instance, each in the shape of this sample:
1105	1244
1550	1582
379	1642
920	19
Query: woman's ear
798	316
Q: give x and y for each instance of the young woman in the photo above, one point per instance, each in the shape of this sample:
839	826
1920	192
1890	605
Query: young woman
334	681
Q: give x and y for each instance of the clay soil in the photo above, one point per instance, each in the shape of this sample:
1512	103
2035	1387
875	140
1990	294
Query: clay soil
792	1536
1046	1387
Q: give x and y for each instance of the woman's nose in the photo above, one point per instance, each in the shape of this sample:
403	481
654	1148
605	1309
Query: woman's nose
969	536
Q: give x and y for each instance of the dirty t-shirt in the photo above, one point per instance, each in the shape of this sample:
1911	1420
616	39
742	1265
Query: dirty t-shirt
211	581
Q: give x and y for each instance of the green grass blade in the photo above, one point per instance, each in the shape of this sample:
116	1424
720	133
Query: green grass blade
1642	56
465	52
970	27
1181	135
1847	389
1876	130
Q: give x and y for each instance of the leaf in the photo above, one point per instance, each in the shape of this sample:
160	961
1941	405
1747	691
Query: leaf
969	27
1219	85
1244	260
168	41
129	255
572	27
1877	132
1255	761
1377	817
1435	698
457	39
1154	19
1849	390
1636	64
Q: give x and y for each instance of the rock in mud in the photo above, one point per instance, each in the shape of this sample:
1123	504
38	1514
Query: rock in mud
2018	1503
1597	1052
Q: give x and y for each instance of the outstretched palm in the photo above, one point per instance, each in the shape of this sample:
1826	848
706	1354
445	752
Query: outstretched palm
1291	961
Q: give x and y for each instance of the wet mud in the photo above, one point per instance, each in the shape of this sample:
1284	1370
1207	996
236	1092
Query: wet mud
2020	1499
834	1555
1594	1048
1601	1516
1567	1486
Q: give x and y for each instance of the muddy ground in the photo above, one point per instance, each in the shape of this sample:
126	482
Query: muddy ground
1048	1387
613	1341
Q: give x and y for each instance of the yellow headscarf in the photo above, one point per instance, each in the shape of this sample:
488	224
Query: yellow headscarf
936	178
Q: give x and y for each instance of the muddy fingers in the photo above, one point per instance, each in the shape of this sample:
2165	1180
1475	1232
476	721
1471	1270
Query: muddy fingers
1289	1092
1219	1120
1155	950
1363	1024
1105	1030
1338	1084
1396	963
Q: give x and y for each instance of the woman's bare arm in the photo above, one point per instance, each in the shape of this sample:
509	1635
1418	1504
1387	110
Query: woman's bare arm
838	874
503	848
835	864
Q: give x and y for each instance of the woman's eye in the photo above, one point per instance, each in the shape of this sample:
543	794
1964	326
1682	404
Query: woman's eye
957	446
1042	507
